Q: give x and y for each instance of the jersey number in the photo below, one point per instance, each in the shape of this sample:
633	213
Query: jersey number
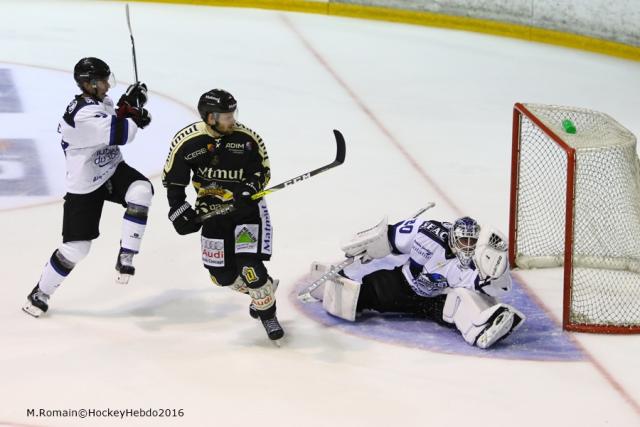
407	227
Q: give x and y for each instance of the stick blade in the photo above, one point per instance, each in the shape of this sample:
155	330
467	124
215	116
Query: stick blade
306	297
341	147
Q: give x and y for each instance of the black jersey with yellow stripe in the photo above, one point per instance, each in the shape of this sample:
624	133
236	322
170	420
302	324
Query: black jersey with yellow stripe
214	163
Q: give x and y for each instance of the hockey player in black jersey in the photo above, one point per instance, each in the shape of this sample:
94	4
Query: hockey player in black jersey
451	273
227	163
92	131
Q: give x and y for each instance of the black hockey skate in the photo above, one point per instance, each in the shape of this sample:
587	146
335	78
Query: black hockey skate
273	328
37	302
124	267
253	311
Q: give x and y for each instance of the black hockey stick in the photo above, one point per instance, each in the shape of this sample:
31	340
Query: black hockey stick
305	294
133	43
341	151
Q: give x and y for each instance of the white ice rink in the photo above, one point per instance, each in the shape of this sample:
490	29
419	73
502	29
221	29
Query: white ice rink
427	117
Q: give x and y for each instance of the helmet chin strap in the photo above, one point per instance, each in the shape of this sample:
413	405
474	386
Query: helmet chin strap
214	127
218	131
94	86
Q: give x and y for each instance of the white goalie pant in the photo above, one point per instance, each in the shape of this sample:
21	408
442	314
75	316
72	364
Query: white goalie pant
340	297
481	320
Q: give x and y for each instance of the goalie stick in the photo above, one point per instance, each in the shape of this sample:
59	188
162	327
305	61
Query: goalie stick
341	151
305	294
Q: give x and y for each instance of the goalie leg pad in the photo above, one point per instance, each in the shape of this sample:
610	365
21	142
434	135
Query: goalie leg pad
374	242
340	298
318	269
480	320
502	323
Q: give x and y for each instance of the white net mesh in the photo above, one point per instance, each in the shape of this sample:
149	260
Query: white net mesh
605	287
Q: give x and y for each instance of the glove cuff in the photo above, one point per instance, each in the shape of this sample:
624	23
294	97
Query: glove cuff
179	211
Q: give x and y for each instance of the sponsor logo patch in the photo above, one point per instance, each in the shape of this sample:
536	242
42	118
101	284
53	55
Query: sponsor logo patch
246	238
212	252
72	106
195	154
249	274
267	231
425	253
235	147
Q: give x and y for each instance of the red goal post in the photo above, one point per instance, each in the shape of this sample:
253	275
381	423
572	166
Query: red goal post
575	202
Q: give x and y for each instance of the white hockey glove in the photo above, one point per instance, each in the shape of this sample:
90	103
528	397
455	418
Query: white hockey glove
373	243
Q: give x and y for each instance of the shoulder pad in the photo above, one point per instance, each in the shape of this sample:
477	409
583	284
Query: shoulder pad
239	127
192	141
78	103
439	233
187	132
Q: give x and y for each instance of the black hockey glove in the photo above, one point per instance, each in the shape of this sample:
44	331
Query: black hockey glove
140	116
242	194
135	95
183	219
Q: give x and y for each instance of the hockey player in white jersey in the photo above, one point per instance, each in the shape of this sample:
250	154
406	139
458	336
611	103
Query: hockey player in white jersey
451	273
92	131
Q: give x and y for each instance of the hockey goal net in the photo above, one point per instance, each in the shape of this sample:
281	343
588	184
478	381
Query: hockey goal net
575	202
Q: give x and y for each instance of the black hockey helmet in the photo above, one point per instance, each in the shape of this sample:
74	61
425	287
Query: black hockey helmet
88	69
216	101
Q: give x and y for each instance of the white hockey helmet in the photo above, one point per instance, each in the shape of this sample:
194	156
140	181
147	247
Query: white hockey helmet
463	238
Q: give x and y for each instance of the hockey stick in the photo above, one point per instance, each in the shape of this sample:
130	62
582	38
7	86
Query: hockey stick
305	294
133	43
341	151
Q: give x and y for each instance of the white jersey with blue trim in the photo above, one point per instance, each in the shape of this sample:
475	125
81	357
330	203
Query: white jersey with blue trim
91	136
427	244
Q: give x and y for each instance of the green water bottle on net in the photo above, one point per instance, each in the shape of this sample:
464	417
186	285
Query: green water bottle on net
568	126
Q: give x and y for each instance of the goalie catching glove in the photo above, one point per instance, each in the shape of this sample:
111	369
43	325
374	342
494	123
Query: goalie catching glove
492	261
372	243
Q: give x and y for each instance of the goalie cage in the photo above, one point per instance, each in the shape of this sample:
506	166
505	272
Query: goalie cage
575	201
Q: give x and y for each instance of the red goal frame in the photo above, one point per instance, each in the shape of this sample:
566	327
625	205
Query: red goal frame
520	110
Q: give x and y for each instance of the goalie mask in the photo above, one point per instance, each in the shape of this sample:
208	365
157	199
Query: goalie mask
463	238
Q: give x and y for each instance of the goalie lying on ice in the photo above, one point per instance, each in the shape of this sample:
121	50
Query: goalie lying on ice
449	273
